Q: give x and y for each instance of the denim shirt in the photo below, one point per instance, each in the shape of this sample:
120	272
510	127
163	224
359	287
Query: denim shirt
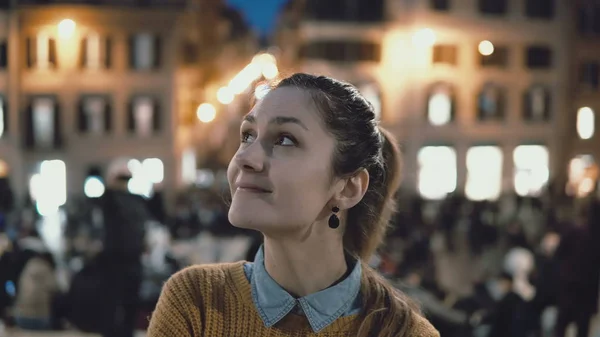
321	308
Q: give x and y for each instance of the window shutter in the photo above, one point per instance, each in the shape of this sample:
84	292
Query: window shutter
131	43
52	52
547	105
29	140
82	123
156	116
58	141
108	115
500	103
107	52
452	106
31	51
83	53
4	54
527	113
157	52
130	117
5	117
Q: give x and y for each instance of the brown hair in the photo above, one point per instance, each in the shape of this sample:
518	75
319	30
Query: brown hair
362	144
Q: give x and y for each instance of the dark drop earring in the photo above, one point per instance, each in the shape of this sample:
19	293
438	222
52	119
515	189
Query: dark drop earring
334	221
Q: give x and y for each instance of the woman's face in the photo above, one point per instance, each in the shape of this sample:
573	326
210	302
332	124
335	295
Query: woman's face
280	177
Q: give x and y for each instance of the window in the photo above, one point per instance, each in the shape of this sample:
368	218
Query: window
343	51
437	171
144	175
346	10
586	121
93	187
94	115
3	117
41	52
498	57
145	52
445	54
48	187
531	169
189	53
188	166
372	94
154	170
491	103
440	105
538	57
144	116
3	54
589	19
440	5
494	7
42	124
582	176
539	9
95	52
484	173
537	104
589	75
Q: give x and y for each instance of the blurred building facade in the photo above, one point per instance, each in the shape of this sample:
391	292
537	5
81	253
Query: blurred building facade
583	123
85	83
477	91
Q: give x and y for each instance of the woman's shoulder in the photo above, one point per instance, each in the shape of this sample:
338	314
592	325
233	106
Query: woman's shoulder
198	279
422	327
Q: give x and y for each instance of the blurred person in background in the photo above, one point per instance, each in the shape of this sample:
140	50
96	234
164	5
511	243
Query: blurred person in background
6	196
37	289
124	217
578	280
316	175
545	280
510	313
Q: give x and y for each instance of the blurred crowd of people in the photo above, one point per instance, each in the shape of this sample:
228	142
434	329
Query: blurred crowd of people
522	266
532	264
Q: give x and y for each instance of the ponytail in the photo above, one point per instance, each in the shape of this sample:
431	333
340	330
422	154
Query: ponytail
386	311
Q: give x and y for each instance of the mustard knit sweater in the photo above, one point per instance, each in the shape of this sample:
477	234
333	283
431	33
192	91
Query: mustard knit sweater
216	300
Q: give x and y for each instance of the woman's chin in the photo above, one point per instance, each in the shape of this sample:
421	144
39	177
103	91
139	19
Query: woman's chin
246	219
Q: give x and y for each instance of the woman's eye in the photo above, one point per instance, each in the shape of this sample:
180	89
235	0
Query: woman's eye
246	137
284	140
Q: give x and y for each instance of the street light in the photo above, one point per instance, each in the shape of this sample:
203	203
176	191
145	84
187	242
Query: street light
270	71
206	112
66	28
261	91
225	95
486	48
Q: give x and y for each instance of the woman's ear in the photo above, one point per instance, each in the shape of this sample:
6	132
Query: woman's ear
353	189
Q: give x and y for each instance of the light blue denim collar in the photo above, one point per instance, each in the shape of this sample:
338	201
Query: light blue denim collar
321	308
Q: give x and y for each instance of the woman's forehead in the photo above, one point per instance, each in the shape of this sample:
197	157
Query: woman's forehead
286	102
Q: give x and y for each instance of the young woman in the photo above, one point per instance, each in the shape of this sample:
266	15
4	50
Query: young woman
316	175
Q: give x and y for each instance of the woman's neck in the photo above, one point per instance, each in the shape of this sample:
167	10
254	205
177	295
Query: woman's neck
304	268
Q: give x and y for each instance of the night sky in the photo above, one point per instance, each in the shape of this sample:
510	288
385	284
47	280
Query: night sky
261	15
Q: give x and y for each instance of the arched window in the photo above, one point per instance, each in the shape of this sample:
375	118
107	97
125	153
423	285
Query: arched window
583	175
586	122
435	183
491	103
440	104
536	104
532	169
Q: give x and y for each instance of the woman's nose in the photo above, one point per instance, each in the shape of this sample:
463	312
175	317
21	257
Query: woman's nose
252	158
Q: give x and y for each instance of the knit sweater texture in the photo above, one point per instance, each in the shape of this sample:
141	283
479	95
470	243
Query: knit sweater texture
216	300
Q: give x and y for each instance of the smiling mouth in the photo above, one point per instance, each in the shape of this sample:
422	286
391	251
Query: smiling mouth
253	190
